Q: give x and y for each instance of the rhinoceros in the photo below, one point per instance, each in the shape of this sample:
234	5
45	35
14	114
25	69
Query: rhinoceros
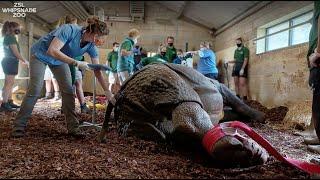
179	103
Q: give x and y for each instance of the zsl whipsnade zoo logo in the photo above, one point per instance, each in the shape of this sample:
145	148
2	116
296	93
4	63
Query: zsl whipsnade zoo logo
19	10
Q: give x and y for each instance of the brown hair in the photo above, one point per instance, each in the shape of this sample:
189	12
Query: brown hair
240	39
133	33
170	37
96	26
8	26
70	19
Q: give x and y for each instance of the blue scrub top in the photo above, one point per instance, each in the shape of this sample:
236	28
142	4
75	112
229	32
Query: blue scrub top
70	35
207	62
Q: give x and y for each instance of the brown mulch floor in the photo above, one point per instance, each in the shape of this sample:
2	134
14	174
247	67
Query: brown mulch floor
47	152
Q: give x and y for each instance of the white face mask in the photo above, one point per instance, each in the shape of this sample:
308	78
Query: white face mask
135	40
201	49
116	49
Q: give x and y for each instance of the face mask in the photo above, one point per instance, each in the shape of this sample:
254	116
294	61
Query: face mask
239	45
137	47
116	49
163	53
135	41
17	31
180	56
201	49
170	44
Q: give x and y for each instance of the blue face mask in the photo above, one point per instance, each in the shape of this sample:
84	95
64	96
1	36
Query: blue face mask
201	49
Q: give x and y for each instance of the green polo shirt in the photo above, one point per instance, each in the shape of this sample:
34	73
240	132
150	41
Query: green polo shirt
148	60
240	54
171	54
313	36
7	41
113	60
161	57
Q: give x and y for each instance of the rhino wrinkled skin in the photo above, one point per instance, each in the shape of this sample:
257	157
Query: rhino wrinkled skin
178	101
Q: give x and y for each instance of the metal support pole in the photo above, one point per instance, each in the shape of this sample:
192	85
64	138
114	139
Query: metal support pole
93	120
94	99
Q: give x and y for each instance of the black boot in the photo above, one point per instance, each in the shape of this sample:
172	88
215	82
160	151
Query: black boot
12	104
6	107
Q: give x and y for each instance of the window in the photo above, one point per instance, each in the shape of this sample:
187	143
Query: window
287	33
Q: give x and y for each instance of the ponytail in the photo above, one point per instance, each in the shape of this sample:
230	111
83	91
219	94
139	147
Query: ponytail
96	26
8	26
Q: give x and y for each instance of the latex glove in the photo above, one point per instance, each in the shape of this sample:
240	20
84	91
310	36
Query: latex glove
241	72
110	97
25	62
82	65
313	59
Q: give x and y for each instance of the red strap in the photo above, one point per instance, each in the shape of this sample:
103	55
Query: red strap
305	166
211	137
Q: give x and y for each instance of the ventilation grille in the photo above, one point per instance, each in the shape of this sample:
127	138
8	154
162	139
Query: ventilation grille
137	10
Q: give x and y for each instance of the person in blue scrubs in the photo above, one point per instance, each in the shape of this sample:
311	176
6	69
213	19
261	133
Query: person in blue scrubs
207	62
57	49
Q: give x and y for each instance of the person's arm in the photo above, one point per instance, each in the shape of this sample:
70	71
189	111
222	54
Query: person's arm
245	62
54	51
126	49
109	59
15	51
104	84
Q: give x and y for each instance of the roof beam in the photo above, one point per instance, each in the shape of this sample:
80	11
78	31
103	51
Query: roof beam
191	21
181	10
253	9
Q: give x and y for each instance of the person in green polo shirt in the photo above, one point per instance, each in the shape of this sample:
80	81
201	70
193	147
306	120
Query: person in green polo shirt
171	52
10	62
162	53
150	60
126	56
240	69
112	60
313	58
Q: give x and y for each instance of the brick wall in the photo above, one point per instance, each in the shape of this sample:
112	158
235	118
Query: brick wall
275	78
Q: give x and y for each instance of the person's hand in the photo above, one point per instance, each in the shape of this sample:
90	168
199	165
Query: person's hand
82	65
108	94
313	59
25	62
241	72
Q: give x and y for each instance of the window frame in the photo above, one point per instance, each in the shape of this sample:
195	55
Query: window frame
290	34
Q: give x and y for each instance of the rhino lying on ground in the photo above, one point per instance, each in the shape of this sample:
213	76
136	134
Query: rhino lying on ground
180	103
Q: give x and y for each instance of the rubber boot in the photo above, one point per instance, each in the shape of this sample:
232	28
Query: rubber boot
309	131
239	106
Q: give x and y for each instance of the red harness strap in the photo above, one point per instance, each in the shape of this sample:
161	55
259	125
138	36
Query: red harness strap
211	138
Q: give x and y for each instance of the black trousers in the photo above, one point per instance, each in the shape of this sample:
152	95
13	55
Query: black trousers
314	82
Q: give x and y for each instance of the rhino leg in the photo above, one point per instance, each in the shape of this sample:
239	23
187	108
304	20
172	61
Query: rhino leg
239	106
191	122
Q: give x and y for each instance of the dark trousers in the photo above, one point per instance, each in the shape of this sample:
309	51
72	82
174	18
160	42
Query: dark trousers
314	82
